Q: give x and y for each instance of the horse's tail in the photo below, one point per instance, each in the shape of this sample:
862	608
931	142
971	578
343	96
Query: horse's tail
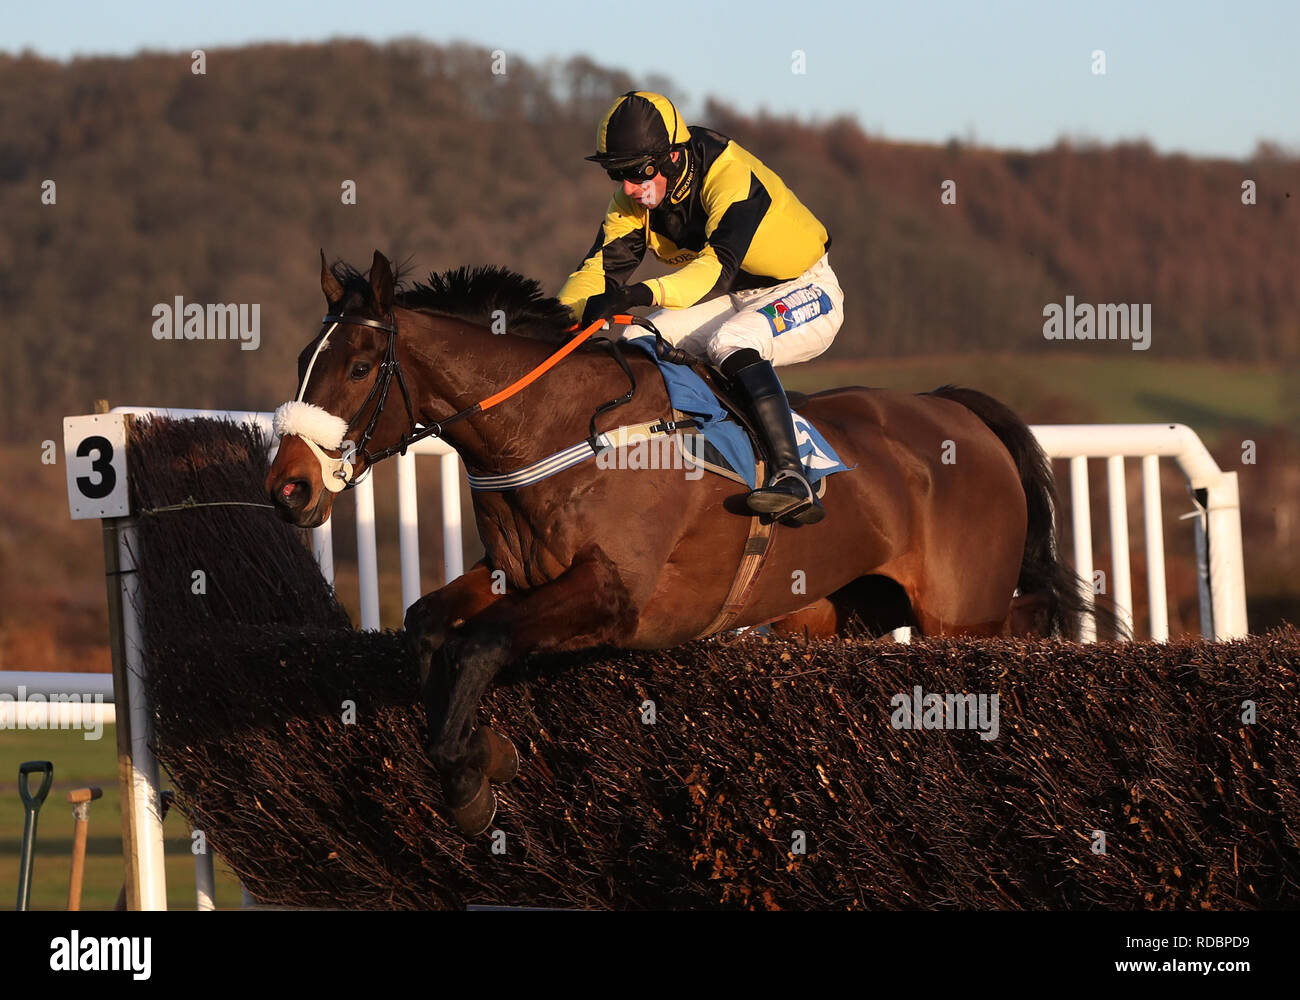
1041	571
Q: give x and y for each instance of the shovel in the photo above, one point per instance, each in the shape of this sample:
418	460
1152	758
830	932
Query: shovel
32	803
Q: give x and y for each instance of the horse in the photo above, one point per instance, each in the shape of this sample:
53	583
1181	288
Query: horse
944	522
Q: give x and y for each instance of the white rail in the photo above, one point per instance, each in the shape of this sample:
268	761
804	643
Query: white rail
40	699
1217	520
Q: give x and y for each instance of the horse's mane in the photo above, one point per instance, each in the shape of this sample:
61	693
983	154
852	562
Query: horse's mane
470	293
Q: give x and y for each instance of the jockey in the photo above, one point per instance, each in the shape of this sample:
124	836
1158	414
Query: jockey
753	287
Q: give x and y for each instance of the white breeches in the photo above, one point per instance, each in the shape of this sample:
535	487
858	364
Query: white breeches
786	324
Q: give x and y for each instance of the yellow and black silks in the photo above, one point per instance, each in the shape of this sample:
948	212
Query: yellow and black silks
727	222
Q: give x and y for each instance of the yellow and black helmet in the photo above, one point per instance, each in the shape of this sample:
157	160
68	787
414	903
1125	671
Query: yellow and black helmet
641	126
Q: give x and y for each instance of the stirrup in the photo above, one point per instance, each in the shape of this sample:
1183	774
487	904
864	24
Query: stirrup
787	507
810	513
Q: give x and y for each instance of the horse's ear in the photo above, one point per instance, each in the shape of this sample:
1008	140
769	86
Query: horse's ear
381	282
329	284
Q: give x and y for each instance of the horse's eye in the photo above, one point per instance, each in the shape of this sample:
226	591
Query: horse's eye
360	370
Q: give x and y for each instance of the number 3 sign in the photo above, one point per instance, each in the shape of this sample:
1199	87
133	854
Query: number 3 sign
94	451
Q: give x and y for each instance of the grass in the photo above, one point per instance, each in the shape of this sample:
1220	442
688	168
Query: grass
79	762
1211	397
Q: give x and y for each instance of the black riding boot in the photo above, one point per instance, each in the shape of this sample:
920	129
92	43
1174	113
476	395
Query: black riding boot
787	494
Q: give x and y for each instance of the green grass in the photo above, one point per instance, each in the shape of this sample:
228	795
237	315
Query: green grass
79	762
1211	397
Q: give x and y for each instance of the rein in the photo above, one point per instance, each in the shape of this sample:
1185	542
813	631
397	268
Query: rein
391	367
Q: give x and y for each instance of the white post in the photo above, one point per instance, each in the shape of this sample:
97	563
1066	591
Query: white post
1153	515
1081	513
367	554
1202	565
205	882
322	546
408	528
453	555
1121	577
1226	568
145	800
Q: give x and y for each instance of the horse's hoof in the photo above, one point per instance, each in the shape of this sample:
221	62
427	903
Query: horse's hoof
495	754
475	816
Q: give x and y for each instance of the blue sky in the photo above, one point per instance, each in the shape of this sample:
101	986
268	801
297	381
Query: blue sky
1201	77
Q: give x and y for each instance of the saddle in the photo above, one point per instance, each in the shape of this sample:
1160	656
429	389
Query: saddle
728	398
722	388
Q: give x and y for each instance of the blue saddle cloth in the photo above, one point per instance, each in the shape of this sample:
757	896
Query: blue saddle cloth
689	393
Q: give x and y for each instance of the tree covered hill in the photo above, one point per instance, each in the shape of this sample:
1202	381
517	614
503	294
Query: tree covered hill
220	187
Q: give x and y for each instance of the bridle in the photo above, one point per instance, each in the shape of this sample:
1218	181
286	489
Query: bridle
390	368
334	470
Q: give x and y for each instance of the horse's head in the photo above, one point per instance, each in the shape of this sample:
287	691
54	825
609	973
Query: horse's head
339	417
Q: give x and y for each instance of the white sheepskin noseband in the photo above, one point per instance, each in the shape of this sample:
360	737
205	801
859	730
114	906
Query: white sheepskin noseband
320	429
311	423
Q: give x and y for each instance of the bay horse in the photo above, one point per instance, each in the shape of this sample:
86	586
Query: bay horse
947	510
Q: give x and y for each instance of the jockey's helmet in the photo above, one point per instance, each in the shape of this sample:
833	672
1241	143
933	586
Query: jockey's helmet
642	127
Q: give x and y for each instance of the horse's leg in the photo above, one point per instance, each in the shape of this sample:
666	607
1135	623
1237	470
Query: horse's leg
875	604
817	620
585	606
1030	616
932	624
427	623
960	590
428	620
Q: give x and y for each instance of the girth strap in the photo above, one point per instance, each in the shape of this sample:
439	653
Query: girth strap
576	454
757	548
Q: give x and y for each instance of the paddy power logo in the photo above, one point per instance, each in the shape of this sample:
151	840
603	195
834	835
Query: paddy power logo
796	308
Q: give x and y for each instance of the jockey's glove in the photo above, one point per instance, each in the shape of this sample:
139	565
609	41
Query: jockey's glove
616	301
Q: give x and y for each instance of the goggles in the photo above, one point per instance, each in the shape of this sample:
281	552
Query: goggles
642	170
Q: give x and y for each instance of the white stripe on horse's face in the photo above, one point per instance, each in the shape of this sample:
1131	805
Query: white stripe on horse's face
322	346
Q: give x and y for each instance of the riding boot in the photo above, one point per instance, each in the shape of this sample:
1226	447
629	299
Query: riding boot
787	494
